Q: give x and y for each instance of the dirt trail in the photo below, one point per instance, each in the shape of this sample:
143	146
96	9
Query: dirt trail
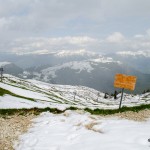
10	129
136	116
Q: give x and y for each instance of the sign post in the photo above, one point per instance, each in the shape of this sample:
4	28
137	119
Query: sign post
1	72
121	98
125	82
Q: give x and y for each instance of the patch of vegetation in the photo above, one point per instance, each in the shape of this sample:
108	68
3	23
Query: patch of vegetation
20	86
113	111
24	111
3	92
37	111
72	108
146	91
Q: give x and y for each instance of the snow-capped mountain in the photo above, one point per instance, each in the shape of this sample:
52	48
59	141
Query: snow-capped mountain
82	68
78	66
38	59
95	73
11	68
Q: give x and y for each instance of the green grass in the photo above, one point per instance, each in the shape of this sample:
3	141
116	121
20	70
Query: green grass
50	95
113	111
3	92
37	111
24	111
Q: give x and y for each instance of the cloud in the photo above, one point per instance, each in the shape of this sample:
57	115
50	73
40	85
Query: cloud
112	43
148	32
39	16
116	37
34	16
52	44
97	25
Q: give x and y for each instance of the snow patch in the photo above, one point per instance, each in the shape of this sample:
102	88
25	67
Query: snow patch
61	132
76	65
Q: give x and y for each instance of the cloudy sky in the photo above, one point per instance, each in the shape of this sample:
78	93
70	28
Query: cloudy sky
102	26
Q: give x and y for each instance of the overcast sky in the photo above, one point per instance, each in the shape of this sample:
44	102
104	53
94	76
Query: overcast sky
94	25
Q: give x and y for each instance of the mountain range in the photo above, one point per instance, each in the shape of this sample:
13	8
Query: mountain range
80	68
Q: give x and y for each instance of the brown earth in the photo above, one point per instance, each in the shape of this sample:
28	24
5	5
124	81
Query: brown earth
136	116
11	127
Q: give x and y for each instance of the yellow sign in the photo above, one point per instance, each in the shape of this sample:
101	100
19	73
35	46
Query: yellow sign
125	81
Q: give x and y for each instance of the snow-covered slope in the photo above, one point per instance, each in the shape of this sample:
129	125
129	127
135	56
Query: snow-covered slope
32	93
74	131
79	66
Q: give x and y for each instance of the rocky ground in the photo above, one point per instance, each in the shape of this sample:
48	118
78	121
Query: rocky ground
136	116
13	126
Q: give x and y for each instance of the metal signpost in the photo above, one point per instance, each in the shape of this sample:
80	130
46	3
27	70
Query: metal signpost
121	98
125	82
1	72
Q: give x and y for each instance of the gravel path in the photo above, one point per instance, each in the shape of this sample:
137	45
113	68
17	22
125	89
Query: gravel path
10	129
136	116
13	126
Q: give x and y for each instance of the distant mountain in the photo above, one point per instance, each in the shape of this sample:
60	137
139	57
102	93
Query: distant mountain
80	68
95	73
11	68
140	60
30	60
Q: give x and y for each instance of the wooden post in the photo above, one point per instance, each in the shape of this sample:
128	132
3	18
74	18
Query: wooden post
121	98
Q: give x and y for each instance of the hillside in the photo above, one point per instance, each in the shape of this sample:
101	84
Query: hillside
66	129
19	93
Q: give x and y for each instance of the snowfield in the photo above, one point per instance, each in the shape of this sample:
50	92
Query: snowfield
60	96
8	101
73	130
77	131
86	65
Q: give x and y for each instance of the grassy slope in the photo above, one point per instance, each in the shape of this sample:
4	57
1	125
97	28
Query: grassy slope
25	85
3	92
